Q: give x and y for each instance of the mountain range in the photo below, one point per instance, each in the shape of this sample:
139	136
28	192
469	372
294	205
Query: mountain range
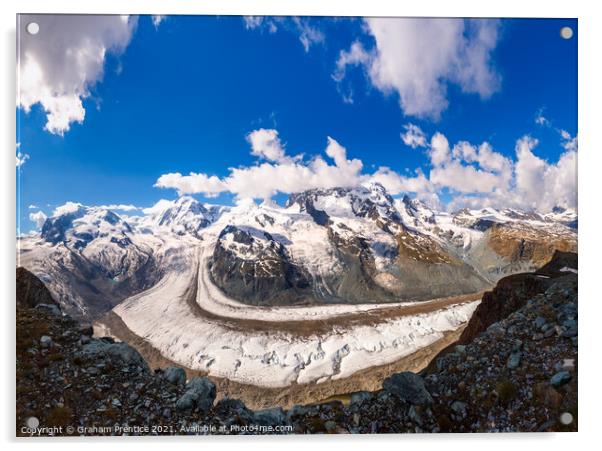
325	246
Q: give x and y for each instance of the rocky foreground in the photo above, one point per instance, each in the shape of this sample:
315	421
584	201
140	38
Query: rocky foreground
515	370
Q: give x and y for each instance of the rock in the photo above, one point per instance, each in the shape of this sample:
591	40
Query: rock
460	408
119	353
45	341
359	397
116	403
230	407
408	387
84	339
200	394
569	333
460	349
560	378
267	417
514	360
86	329
31	291
540	321
175	375
93	371
330	426
52	309
415	415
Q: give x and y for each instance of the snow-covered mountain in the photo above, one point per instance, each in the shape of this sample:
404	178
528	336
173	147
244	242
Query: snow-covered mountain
326	246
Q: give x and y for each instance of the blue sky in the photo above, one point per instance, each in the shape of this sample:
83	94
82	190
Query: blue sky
185	94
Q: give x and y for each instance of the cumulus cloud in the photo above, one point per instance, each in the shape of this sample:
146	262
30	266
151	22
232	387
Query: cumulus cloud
439	150
542	185
418	58
66	208
266	144
58	66
38	218
413	136
191	183
474	175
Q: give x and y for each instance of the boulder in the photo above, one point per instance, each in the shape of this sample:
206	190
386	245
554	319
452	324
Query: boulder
269	417
119	353
199	396
408	387
174	375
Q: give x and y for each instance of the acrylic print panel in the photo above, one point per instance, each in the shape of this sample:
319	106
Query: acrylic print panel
296	225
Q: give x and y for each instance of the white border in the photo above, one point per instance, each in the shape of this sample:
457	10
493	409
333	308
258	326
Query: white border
590	199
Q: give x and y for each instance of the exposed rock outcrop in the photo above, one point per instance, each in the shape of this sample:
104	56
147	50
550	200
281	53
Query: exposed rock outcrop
31	291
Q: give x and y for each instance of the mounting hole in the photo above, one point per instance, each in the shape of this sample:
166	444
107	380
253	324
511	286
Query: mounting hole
566	32
33	28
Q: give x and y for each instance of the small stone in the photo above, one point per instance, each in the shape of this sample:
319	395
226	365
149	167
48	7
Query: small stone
514	360
460	349
460	408
116	403
46	341
560	378
84	339
540	321
330	426
93	371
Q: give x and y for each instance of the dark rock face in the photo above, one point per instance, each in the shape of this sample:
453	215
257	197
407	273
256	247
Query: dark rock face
31	291
512	292
255	268
54	229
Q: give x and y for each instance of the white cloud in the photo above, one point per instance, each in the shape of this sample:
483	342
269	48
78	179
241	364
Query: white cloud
21	158
67	207
38	218
473	175
413	136
32	206
465	178
569	143
439	150
157	19
253	22
57	67
418	58
540	119
308	34
266	144
543	185
191	183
